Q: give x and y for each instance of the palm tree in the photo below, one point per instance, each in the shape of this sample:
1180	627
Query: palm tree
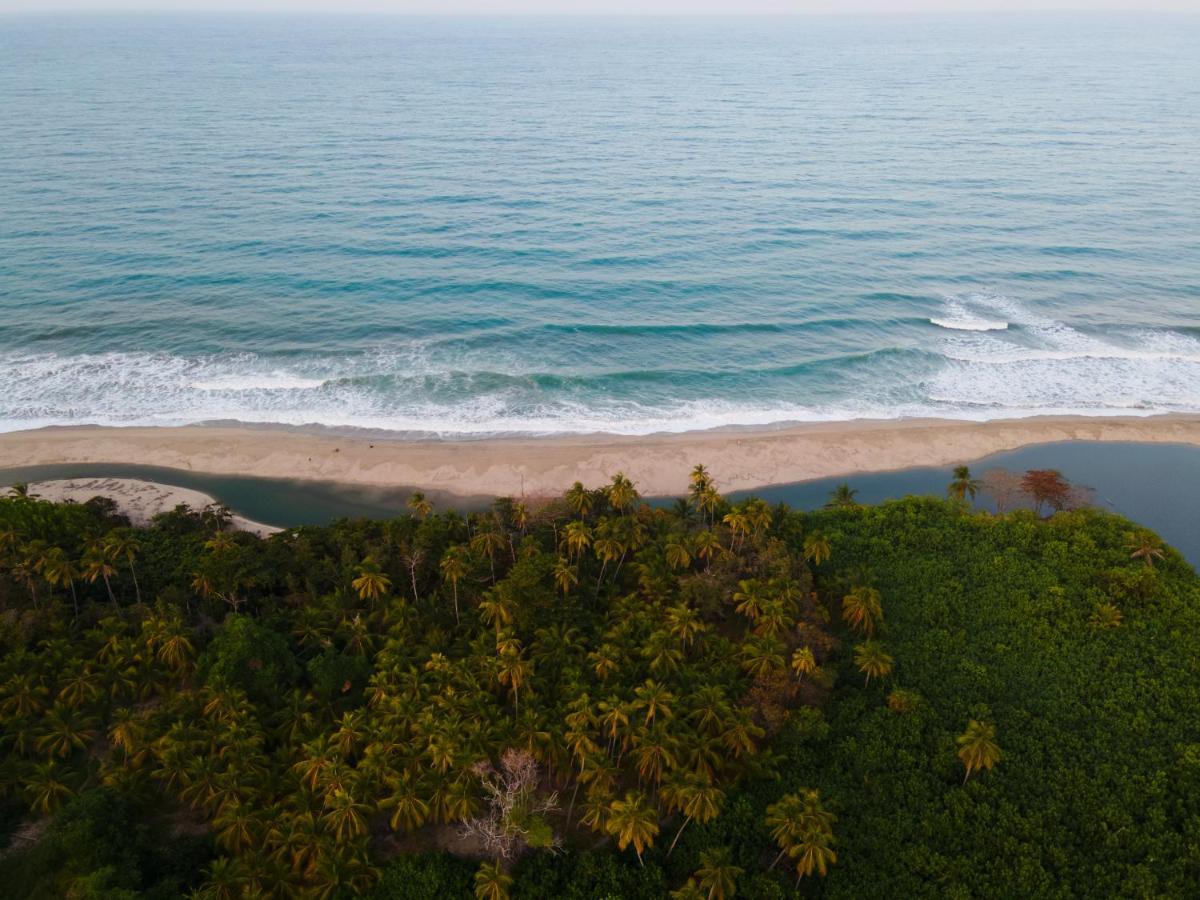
491	882
633	821
579	499
24	696
813	852
1144	545
97	564
566	576
453	568
27	568
684	623
652	753
520	516
678	554
655	699
717	875
621	493
221	542
121	543
739	527
45	788
862	609
801	826
699	800
174	648
977	747
345	817
340	873
496	610
203	584
65	731
842	497
963	485
762	655
750	598
803	662
237	826
225	880
689	891
816	548
513	670
371	583
79	688
58	570
707	546
409	809
490	541
420	506
758	515
774	619
607	548
578	536
785	819
872	660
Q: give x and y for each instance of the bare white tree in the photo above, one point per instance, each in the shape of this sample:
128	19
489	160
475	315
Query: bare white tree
514	816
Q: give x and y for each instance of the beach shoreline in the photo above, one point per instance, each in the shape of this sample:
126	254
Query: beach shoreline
740	459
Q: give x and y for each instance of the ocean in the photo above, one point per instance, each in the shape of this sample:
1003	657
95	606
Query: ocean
472	226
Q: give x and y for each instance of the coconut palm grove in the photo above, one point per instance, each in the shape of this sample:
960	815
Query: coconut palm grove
598	696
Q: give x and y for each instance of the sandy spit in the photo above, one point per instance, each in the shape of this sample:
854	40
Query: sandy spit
139	500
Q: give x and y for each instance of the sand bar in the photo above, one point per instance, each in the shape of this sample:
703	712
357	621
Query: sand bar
739	459
140	500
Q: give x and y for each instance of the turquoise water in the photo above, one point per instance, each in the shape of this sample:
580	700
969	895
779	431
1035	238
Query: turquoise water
474	226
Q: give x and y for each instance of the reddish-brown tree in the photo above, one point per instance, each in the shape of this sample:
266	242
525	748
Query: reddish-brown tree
1046	487
1003	486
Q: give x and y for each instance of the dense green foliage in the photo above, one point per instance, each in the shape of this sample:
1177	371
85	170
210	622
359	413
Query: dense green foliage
607	699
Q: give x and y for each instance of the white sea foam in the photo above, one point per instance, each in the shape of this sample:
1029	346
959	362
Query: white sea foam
969	324
276	381
1053	366
1041	366
958	317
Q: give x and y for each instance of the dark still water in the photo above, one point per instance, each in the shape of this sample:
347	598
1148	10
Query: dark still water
1157	485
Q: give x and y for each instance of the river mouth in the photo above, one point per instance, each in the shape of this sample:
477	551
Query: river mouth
1156	485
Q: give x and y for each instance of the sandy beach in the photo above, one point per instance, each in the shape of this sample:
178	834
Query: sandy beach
140	500
659	464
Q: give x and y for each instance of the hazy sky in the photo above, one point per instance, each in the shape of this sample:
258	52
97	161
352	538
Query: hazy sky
620	7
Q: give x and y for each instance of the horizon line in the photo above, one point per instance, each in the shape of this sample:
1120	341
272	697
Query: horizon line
517	14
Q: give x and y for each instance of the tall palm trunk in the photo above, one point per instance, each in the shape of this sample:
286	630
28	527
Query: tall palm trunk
571	805
677	834
111	596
